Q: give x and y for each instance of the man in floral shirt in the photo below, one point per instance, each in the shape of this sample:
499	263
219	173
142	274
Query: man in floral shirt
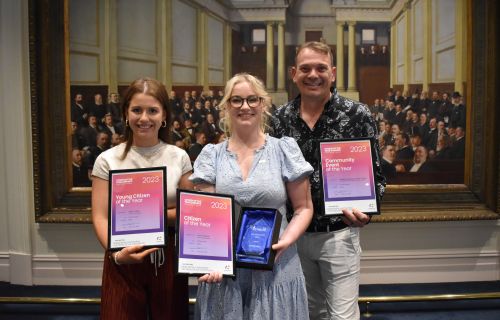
329	250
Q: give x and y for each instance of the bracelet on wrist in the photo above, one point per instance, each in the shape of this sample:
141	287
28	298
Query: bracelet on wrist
115	258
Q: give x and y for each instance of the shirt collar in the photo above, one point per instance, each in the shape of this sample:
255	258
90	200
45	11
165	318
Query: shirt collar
329	105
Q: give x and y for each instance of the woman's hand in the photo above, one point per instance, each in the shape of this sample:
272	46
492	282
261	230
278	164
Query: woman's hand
132	254
213	277
280	247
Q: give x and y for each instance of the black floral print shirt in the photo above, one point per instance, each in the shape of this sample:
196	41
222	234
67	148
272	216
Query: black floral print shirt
342	118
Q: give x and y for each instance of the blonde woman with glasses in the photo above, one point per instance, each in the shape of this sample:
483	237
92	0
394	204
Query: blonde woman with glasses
260	171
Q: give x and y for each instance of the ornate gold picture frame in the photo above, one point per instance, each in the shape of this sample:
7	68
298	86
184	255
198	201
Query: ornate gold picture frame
477	198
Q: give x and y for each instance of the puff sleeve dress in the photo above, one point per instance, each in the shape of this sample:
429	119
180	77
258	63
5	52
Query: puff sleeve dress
256	294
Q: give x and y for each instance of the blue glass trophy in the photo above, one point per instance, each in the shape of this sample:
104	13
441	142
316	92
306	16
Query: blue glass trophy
258	230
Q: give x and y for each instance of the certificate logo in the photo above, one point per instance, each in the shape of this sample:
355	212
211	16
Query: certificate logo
192	202
333	149
124	181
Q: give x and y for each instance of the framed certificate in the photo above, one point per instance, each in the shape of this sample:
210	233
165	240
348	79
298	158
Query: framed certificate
136	210
347	176
258	230
205	223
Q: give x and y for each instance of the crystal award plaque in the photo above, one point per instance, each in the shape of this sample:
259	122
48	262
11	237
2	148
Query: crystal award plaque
258	230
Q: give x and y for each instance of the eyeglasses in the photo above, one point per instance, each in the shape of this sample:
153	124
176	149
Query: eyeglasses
252	101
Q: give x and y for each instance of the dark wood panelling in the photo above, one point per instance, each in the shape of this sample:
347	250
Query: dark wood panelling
397	87
415	88
88	93
244	58
216	89
314	35
121	90
442	87
179	90
373	83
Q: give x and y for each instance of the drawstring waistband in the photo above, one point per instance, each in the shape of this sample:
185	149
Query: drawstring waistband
158	259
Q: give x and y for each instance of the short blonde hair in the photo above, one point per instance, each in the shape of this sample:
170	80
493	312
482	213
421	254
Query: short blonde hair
318	47
259	89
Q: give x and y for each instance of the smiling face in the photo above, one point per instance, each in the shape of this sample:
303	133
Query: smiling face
244	116
145	115
313	74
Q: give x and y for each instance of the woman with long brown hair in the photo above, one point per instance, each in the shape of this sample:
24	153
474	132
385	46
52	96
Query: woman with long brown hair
138	283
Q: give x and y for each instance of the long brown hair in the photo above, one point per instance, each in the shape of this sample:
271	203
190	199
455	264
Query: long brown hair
155	89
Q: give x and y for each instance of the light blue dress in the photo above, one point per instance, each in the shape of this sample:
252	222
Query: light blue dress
256	294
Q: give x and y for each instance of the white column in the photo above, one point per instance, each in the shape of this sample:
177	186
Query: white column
228	47
281	56
202	49
427	41
164	42
340	57
460	45
351	81
16	163
408	49
110	46
270	56
393	53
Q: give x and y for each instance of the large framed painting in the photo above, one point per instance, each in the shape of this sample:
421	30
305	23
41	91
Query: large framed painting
62	192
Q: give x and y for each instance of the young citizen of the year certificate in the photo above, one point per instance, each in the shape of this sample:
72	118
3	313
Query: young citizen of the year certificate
137	207
205	232
347	176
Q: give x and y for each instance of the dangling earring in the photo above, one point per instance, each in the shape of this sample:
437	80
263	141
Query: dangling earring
126	122
164	124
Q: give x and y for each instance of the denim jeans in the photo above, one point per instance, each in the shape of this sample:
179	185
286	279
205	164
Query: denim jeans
331	265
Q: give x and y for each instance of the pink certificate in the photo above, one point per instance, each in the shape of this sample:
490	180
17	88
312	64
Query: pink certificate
205	223
137	205
347	176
